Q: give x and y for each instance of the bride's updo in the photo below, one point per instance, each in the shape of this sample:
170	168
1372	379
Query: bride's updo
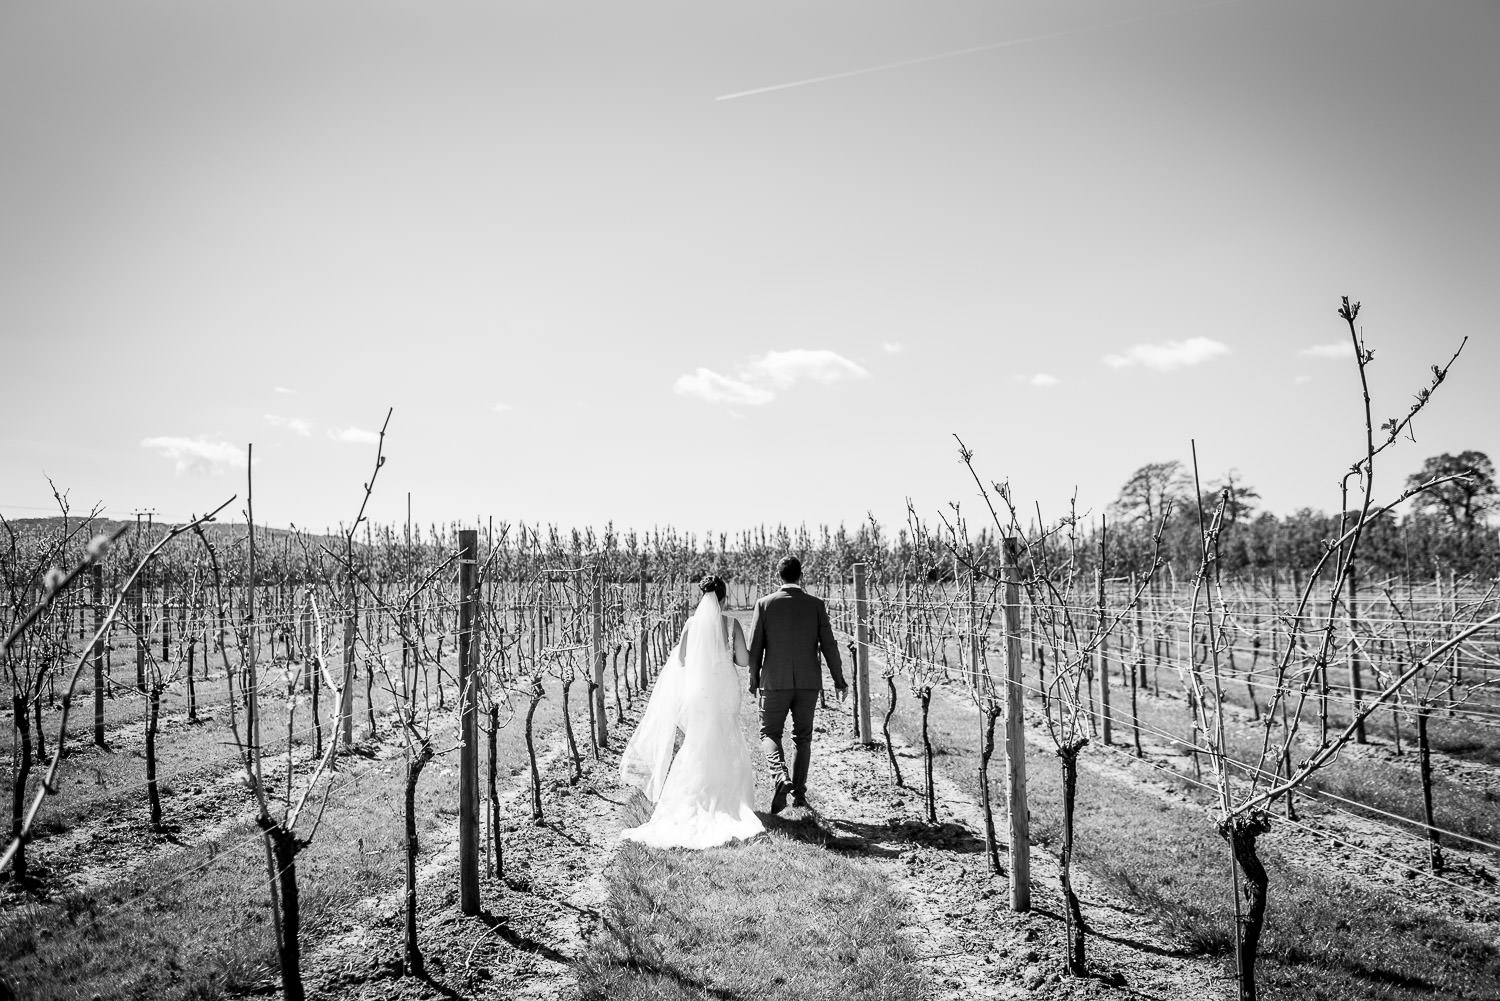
712	584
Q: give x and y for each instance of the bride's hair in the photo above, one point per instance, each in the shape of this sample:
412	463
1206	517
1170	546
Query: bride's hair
712	583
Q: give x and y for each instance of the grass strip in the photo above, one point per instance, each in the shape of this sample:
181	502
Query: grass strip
1381	783
1327	937
153	935
195	924
777	916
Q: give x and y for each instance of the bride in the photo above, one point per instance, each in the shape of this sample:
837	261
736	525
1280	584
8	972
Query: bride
703	796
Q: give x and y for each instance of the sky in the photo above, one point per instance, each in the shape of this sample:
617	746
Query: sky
718	265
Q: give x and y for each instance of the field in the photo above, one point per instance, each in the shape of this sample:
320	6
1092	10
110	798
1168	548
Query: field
180	857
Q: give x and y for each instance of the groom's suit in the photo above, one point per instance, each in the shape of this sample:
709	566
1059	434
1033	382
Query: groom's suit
789	629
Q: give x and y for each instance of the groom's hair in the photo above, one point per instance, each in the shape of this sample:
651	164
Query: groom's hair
789	569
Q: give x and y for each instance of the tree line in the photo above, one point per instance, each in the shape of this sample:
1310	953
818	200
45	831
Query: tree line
1446	530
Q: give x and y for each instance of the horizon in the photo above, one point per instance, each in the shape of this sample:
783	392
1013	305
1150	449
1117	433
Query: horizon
1088	519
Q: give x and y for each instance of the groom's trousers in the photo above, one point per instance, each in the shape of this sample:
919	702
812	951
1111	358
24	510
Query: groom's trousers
774	706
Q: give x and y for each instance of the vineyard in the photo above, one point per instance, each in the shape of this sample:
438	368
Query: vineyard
381	762
1409	810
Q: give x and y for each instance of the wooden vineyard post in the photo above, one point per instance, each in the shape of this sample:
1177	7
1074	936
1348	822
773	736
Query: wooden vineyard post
346	694
965	670
1137	660
1455	666
1322	668
1106	721
643	675
468	728
862	654
309	670
1158	637
140	637
252	684
96	580
1356	688
975	645
596	661
1015	733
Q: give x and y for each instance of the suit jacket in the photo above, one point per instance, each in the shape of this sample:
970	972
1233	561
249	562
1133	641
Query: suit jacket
789	629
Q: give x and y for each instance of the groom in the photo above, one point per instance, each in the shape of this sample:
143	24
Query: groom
789	629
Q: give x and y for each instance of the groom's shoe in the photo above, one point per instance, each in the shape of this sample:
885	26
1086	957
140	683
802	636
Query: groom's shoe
778	798
799	800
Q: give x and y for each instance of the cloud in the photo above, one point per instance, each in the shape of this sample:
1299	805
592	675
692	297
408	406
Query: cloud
501	408
892	347
197	455
1043	379
1301	379
354	436
1169	355
715	388
296	424
1338	349
783	368
282	390
760	379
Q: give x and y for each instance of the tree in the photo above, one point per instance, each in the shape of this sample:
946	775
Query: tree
1145	494
1242	497
1465	500
1239	505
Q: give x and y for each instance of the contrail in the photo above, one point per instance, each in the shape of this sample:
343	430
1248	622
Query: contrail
989	47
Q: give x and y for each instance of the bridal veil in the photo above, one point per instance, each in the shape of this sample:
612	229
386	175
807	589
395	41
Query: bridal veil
703	792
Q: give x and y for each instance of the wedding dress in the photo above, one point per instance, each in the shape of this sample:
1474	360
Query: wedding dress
703	793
